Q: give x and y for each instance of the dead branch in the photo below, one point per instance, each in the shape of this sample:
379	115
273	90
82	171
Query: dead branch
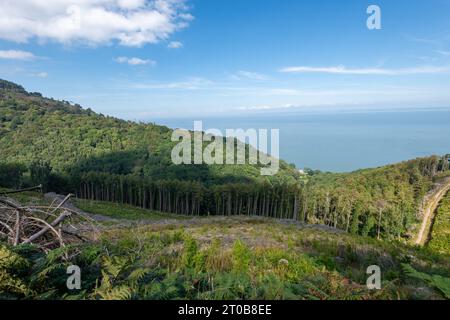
62	202
9	203
47	227
17	229
39	187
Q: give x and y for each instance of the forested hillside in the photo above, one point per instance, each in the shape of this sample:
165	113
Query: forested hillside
72	140
70	149
380	202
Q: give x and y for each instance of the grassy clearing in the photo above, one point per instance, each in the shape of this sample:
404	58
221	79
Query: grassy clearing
121	211
28	198
440	236
228	258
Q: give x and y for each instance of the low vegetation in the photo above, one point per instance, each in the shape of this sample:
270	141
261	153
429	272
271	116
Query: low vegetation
121	211
234	258
440	235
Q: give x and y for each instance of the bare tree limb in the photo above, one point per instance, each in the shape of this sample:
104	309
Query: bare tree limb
62	202
55	223
22	190
17	228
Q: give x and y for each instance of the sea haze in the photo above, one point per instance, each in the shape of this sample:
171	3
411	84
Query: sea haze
344	141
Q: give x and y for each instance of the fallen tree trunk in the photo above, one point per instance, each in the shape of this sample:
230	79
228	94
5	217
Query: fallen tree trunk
54	224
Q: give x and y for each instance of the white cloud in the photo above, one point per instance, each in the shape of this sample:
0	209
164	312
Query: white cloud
193	83
444	53
248	75
135	61
266	107
285	92
128	22
16	55
354	96
423	40
131	4
175	45
187	16
367	71
40	75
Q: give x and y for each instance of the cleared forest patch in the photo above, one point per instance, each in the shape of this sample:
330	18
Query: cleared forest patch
227	258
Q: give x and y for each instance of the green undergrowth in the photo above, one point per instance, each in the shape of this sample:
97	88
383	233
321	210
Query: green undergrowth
122	211
229	258
440	233
27	198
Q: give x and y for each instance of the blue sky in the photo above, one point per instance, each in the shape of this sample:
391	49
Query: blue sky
139	59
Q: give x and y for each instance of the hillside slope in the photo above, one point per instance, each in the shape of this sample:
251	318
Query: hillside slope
381	202
70	149
150	257
71	140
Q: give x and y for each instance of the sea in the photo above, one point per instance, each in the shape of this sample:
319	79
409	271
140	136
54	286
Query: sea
343	141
